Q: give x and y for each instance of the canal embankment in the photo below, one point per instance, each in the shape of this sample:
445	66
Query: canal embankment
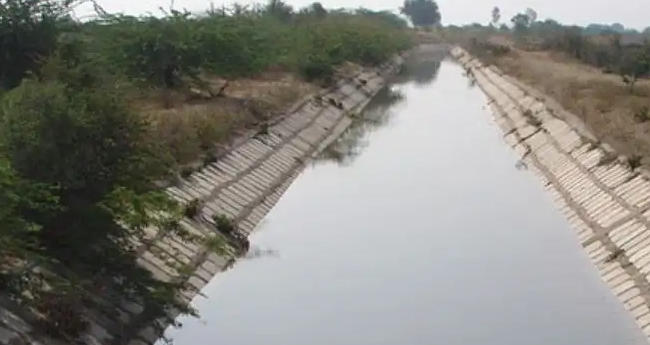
604	196
241	185
418	229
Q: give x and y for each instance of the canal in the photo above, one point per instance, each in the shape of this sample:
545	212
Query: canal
415	228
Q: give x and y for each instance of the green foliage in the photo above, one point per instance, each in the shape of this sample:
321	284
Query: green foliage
77	166
224	224
192	208
521	22
635	64
165	52
102	173
17	232
279	10
422	12
154	50
315	67
313	11
28	32
387	17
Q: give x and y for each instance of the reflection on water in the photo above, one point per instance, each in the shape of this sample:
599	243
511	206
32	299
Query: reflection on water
420	70
423	67
352	142
430	236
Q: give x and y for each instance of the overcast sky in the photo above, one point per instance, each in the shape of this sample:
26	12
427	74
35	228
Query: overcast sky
631	13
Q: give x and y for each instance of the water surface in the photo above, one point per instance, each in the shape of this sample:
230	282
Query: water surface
415	229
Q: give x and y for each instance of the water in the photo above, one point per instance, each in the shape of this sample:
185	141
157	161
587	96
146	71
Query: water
415	229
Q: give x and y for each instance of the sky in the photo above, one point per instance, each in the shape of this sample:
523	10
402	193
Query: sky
631	13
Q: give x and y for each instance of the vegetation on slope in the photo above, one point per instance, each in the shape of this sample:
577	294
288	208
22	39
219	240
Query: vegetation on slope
598	72
93	114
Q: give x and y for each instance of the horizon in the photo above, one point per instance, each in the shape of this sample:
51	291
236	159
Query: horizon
631	16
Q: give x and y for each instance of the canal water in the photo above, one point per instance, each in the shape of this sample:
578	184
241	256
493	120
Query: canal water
415	228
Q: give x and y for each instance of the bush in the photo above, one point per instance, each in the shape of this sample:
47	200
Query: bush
315	67
78	168
164	51
101	171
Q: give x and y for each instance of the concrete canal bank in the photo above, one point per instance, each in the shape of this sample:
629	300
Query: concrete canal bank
419	229
242	185
606	198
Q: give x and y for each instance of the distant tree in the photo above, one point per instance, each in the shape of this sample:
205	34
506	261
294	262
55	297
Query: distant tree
552	23
532	16
618	27
311	12
387	17
422	12
280	10
238	10
29	32
496	15
521	22
634	65
318	10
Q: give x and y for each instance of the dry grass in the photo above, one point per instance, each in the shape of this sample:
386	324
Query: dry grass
601	100
192	128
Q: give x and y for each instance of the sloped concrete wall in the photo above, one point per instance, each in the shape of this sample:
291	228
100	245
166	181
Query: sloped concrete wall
243	184
248	181
604	198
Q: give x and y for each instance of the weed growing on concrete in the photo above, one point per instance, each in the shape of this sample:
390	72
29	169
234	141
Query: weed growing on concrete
634	161
607	159
215	244
614	255
186	172
192	208
210	158
228	227
642	114
532	119
224	224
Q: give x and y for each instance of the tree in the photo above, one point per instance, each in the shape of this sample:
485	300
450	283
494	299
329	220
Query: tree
532	16
318	10
633	65
75	121
279	10
16	234
423	13
28	34
521	22
161	52
496	16
387	17
311	13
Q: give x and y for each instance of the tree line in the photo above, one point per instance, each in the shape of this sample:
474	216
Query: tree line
612	48
78	164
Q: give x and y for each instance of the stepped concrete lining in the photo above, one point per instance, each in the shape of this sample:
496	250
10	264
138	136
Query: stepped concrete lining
605	200
243	184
